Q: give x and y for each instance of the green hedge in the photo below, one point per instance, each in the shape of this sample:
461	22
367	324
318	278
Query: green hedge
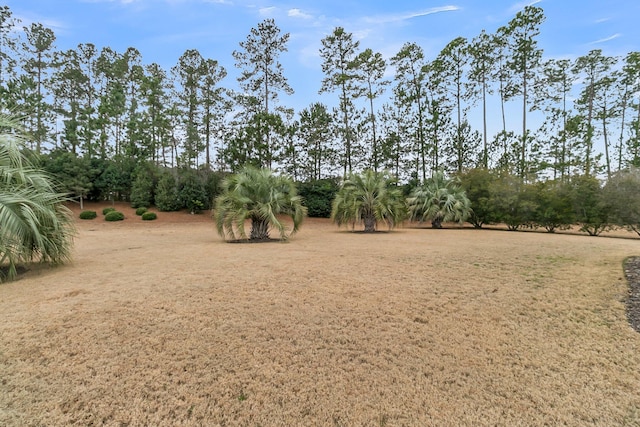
141	211
107	210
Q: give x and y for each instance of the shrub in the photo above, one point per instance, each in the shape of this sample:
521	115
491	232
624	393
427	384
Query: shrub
554	209
142	189
592	212
623	199
114	216
192	192
439	200
88	214
477	186
370	198
107	210
167	197
141	211
512	202
317	196
149	216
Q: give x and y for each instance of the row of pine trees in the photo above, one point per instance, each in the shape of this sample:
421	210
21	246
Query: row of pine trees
101	105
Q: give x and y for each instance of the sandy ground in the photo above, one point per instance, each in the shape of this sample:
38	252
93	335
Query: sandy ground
164	324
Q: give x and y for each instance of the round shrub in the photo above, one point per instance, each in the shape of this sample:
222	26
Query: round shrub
107	210
149	216
141	211
88	214
114	216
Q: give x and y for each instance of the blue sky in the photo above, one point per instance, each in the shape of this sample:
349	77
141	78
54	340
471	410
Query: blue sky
163	29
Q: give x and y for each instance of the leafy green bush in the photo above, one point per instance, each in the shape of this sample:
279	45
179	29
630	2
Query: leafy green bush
167	197
114	216
317	196
107	210
622	198
141	211
590	206
88	215
512	202
192	192
149	216
477	185
554	209
142	188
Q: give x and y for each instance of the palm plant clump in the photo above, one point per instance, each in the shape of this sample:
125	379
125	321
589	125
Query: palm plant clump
261	197
369	198
34	223
439	200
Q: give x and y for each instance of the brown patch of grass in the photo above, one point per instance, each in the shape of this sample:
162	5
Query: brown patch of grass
168	325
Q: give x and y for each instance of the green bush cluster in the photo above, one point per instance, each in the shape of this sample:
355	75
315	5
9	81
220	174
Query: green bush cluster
114	216
149	216
141	211
552	204
105	211
88	215
318	195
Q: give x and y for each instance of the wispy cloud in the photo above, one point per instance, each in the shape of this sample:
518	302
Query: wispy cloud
521	5
606	39
267	11
26	21
297	13
386	19
601	20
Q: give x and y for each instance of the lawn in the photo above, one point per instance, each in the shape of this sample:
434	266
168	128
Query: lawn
162	323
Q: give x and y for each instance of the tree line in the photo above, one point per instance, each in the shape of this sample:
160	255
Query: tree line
111	116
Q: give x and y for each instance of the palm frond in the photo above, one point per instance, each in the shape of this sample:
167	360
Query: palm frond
34	223
261	197
368	195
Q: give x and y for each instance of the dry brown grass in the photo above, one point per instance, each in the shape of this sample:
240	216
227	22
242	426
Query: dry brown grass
164	324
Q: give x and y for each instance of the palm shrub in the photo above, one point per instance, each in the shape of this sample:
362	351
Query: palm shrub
439	200
261	197
34	223
369	198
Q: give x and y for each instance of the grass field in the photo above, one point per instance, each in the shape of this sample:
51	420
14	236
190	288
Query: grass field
163	324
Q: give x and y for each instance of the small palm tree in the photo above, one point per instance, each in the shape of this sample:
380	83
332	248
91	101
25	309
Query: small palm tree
34	223
370	197
439	200
261	197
